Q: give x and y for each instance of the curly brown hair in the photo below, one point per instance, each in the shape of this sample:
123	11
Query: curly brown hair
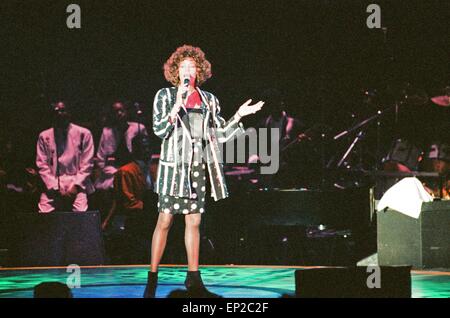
185	51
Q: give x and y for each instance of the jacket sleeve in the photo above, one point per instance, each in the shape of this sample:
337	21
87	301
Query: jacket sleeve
161	109
43	164
101	152
226	130
86	162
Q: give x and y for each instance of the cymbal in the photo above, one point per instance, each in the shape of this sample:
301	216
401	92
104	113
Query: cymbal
441	100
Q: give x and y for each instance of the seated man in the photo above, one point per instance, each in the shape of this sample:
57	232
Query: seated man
114	151
64	158
115	147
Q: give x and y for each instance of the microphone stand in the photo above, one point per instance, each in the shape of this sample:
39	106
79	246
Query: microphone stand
358	137
359	125
138	116
360	134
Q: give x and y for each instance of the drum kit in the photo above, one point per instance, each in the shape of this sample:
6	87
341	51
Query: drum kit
430	160
396	155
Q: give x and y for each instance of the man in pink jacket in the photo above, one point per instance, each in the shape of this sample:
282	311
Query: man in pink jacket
64	157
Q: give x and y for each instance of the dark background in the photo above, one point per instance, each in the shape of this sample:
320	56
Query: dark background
319	53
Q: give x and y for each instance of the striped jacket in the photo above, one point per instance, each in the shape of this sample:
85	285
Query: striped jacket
174	170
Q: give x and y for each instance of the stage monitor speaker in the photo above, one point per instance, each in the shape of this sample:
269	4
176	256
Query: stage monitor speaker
59	239
423	243
354	282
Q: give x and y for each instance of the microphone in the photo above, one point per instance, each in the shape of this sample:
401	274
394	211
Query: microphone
186	84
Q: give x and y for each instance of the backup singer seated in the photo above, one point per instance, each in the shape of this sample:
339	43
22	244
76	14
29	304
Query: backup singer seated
114	151
64	157
115	146
188	121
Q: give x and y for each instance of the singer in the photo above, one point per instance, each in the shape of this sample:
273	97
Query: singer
188	121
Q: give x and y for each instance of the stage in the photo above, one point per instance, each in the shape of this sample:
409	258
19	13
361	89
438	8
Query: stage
228	281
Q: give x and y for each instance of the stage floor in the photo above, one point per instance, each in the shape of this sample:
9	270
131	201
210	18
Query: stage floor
228	281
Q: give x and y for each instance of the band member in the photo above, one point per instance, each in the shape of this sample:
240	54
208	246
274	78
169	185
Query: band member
115	146
289	134
114	150
64	157
188	121
289	127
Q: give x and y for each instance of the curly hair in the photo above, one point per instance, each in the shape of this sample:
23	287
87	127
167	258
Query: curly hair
172	64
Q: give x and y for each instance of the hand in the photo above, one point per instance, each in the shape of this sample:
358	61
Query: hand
63	192
109	170
180	92
179	101
303	136
247	109
70	192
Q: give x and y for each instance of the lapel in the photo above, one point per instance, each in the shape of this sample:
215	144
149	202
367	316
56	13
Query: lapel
72	139
185	119
204	100
51	146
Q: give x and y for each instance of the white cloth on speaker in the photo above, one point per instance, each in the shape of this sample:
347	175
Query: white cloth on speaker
406	196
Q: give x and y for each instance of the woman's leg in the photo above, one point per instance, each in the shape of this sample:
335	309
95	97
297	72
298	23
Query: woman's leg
159	239
194	283
192	240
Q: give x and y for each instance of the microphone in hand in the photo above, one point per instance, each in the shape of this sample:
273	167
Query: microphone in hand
185	84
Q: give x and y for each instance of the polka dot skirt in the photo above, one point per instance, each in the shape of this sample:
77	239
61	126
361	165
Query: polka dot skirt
196	204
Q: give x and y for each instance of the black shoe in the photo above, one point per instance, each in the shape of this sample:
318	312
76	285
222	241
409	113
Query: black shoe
196	288
152	282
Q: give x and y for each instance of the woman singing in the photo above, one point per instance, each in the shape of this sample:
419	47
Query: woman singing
188	121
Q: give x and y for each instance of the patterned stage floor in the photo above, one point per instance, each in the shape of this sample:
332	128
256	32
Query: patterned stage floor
228	281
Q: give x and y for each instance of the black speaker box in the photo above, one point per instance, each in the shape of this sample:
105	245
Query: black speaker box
58	239
423	243
353	282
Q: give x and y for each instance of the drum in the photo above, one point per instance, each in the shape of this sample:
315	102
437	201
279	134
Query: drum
403	156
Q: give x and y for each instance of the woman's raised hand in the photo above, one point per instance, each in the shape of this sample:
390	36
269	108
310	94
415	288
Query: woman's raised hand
247	109
182	90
